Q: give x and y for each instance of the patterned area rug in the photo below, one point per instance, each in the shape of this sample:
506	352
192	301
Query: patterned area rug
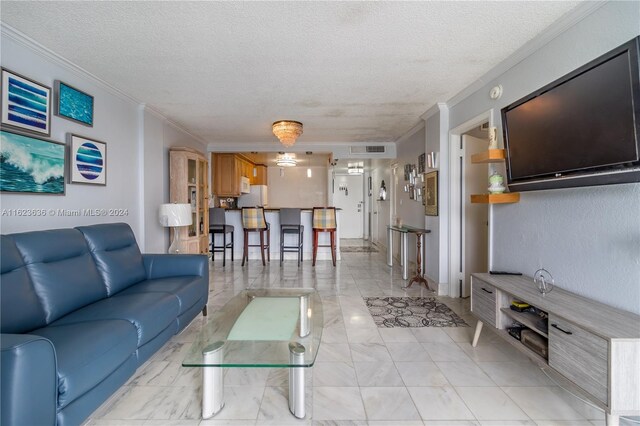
388	312
358	249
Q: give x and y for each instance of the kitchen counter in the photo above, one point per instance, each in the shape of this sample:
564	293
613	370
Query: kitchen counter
272	215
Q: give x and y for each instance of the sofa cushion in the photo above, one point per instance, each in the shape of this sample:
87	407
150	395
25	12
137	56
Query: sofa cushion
116	254
62	270
150	313
187	289
20	309
87	353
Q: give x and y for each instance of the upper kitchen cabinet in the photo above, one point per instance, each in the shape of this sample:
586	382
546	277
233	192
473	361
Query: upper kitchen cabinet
260	175
226	175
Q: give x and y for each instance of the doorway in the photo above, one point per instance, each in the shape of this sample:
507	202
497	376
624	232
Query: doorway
470	243
349	196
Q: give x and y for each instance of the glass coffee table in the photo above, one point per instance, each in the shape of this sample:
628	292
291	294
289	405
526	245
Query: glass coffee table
277	328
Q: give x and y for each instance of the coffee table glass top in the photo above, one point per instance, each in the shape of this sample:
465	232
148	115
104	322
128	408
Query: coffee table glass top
260	328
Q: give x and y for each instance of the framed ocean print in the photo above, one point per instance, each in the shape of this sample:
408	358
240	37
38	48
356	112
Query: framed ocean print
73	104
25	104
31	164
431	194
88	162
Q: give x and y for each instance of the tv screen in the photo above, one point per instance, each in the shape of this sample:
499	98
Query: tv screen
585	122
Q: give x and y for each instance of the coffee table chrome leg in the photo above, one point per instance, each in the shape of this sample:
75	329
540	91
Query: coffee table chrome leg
212	380
296	380
304	316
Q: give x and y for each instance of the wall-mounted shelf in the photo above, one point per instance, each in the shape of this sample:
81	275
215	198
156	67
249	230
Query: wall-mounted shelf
489	156
510	197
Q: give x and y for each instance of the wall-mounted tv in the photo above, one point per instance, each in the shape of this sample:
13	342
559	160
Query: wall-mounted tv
580	130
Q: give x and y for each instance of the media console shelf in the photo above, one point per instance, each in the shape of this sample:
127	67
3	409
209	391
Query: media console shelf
592	347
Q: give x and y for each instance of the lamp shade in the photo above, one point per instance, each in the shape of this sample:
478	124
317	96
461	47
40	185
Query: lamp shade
175	215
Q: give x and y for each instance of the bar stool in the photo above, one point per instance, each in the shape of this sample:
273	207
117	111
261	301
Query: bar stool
253	221
290	223
324	220
217	225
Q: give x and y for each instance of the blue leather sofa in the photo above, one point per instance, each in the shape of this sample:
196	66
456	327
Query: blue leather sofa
80	310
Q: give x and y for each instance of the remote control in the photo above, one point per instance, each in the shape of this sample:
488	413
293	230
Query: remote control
504	273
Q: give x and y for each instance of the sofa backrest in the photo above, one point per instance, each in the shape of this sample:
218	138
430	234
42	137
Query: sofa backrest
116	254
20	308
64	275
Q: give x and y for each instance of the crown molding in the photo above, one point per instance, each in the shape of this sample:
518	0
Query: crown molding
48	54
411	132
558	27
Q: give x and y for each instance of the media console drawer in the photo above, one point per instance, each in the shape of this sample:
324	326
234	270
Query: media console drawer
580	356
483	301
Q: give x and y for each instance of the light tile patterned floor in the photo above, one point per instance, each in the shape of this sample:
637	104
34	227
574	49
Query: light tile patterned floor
363	375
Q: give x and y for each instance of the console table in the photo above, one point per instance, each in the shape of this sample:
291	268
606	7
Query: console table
593	348
420	255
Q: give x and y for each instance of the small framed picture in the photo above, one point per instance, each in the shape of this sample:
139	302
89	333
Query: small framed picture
31	165
88	161
421	161
431	194
26	104
73	104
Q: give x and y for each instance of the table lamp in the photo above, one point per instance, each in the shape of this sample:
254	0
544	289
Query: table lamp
174	216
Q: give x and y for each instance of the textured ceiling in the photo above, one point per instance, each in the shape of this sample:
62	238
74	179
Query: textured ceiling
350	71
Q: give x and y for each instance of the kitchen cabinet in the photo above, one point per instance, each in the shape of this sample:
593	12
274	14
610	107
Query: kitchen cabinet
188	185
226	175
227	171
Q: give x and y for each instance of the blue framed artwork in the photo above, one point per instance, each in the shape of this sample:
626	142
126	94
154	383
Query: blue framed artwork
88	161
29	164
26	104
73	104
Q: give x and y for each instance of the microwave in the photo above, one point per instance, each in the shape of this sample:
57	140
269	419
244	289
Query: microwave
245	185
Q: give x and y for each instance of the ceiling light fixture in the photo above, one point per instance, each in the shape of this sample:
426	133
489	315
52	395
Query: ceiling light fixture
355	168
286	161
287	131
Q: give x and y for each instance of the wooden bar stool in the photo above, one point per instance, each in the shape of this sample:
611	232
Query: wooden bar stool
290	223
217	225
324	220
253	221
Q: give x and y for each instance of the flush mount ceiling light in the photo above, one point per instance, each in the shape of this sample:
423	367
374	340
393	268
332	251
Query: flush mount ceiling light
355	168
286	160
287	131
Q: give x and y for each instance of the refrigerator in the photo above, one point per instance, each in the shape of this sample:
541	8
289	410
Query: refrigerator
257	196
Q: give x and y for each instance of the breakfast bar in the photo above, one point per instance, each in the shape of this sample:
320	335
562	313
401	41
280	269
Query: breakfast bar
234	217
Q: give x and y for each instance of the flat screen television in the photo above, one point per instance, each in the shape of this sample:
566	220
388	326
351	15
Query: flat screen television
580	130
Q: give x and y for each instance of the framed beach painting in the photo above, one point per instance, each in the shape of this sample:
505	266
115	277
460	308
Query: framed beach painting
431	194
25	104
32	165
88	161
73	104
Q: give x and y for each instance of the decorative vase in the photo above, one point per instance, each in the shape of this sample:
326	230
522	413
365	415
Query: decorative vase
496	183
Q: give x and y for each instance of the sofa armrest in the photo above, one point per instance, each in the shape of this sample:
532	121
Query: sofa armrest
173	265
29	385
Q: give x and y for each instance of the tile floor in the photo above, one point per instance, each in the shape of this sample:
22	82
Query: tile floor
363	375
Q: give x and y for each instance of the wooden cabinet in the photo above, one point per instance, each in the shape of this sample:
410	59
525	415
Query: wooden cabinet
260	177
593	349
188	185
487	157
226	175
227	171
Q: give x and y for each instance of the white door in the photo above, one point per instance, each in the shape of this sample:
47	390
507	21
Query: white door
475	217
348	195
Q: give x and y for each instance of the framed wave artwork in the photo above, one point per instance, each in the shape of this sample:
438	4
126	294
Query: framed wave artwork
31	165
88	161
26	104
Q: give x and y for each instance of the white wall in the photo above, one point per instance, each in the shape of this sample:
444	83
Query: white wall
410	211
137	152
588	238
380	170
115	122
295	189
